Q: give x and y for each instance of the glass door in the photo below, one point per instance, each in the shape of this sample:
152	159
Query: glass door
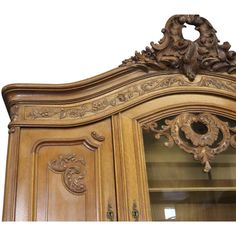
191	167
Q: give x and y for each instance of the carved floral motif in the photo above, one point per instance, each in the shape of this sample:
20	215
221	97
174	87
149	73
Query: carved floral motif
214	138
124	96
72	168
188	57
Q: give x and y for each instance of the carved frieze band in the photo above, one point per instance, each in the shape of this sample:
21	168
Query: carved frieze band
124	96
72	169
215	137
174	52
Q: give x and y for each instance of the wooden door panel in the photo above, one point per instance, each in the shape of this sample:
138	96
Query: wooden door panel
66	174
66	177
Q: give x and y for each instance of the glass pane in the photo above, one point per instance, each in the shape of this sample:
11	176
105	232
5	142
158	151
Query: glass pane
179	188
194	205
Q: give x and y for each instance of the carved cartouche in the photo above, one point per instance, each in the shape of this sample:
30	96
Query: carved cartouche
175	53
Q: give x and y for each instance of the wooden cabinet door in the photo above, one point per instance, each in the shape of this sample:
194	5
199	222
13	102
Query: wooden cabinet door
136	162
66	174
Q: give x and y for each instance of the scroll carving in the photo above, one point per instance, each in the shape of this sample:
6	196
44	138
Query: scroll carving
188	57
214	137
14	112
72	169
97	136
124	96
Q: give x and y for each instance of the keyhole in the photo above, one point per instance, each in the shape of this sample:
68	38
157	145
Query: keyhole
190	33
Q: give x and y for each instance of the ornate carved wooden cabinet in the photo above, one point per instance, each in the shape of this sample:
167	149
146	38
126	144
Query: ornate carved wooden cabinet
153	139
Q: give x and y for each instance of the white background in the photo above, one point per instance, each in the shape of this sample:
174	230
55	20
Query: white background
66	41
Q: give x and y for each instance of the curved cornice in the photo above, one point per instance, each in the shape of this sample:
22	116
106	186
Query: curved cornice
140	78
15	93
83	90
140	89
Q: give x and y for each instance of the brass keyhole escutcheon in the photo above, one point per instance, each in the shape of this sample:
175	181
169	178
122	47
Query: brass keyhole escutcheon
135	212
110	213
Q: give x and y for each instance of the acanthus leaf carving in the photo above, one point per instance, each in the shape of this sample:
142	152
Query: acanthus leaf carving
174	52
14	112
72	168
204	145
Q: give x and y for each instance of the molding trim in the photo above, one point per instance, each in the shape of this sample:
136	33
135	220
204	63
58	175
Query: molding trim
122	97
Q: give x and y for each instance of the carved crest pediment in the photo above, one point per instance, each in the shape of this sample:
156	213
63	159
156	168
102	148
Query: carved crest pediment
175	64
174	52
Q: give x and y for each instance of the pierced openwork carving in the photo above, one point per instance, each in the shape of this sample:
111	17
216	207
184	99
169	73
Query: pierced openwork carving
214	135
188	57
72	168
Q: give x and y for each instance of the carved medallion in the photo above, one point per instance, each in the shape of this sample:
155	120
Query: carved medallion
72	168
188	57
203	135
